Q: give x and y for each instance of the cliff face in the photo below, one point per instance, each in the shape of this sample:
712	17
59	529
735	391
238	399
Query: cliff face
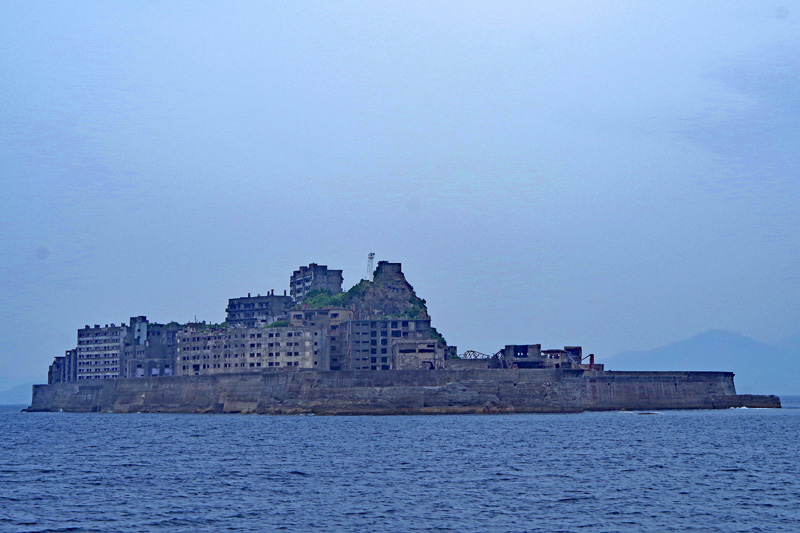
388	295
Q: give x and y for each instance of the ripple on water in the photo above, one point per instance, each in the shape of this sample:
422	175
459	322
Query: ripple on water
678	471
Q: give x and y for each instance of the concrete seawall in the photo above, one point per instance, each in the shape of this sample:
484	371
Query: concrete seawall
401	392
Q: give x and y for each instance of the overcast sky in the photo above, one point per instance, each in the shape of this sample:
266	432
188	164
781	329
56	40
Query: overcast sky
618	175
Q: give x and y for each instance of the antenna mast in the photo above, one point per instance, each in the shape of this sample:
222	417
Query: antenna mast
370	265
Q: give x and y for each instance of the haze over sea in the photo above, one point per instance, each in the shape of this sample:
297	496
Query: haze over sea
614	175
730	470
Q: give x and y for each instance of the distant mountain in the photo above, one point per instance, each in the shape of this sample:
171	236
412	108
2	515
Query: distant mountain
759	368
19	395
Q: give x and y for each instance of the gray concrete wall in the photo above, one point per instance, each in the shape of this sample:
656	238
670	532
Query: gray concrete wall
467	364
400	392
655	390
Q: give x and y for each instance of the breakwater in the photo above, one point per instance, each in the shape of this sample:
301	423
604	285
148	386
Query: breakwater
401	392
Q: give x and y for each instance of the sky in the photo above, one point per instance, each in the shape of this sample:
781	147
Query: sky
618	175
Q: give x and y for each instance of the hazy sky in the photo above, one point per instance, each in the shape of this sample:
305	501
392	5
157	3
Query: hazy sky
618	175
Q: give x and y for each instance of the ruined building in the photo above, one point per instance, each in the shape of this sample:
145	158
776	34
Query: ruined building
64	368
251	311
333	322
218	350
314	277
376	325
149	348
136	350
373	344
99	351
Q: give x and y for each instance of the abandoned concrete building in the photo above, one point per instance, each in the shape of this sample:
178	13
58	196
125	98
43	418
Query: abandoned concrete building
149	348
368	343
417	354
378	325
251	311
331	320
136	350
233	349
64	367
99	351
532	356
314	277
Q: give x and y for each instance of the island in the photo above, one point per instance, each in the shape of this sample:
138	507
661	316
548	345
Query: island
369	350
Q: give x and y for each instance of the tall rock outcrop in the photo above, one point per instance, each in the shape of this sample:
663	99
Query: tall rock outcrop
388	295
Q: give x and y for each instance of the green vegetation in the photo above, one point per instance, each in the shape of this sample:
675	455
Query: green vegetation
278	324
358	290
418	308
320	299
438	336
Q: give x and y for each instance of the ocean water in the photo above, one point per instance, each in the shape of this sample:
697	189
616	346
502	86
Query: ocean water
731	470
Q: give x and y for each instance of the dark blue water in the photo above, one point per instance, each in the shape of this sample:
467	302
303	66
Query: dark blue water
732	470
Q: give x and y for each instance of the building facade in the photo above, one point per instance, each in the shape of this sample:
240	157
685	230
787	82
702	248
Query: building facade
55	373
368	343
252	311
149	348
64	368
215	350
314	277
417	354
99	352
332	321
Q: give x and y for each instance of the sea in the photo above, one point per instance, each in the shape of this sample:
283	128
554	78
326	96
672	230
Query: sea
726	470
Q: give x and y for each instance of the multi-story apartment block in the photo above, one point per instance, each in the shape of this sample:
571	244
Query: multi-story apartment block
332	321
224	350
314	277
251	311
368	343
141	349
99	351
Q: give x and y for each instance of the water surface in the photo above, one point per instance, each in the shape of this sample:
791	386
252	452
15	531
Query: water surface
731	470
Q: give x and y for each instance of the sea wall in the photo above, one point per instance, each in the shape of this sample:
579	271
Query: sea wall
401	392
658	390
